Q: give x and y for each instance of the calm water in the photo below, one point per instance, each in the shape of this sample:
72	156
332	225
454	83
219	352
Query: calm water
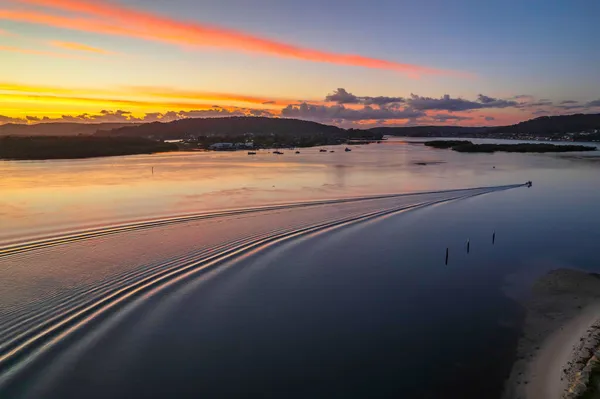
341	299
48	196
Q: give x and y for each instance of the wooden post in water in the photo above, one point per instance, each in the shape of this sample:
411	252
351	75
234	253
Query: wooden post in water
446	255
153	171
494	238
468	245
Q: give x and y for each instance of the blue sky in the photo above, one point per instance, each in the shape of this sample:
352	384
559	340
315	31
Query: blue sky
545	49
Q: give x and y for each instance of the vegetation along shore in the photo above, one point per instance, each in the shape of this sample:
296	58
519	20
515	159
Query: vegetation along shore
467	146
49	147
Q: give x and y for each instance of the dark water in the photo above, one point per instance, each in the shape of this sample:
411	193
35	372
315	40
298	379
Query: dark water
362	309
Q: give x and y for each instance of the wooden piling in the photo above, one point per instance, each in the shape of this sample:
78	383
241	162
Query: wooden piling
468	245
494	238
446	255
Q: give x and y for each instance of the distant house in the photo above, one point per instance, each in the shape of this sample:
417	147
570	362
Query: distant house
222	147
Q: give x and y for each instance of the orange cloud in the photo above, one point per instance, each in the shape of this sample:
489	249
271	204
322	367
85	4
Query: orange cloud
166	92
13	49
79	47
28	88
157	94
117	20
100	102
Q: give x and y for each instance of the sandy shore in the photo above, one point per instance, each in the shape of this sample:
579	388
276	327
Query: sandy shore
561	333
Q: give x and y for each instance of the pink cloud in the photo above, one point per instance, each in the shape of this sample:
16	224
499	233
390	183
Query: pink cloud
113	19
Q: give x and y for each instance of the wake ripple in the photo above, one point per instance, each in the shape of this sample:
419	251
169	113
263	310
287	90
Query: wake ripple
28	336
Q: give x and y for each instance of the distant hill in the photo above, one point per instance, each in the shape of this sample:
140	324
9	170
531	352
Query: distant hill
548	125
545	126
227	126
57	128
429	131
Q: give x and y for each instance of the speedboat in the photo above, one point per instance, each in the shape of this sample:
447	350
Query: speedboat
347	149
322	150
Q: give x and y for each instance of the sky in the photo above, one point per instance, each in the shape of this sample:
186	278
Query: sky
350	63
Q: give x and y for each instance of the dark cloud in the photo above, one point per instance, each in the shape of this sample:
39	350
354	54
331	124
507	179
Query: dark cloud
490	118
541	103
105	116
528	105
568	107
523	97
342	96
446	117
268	102
260	112
485	99
541	112
333	113
126	116
9	119
382	100
209	113
595	103
569	102
447	103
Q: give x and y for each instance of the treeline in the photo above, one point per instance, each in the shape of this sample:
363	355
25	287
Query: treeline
48	147
270	140
468	146
227	127
549	125
545	126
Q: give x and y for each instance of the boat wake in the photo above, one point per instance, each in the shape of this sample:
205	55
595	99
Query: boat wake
33	331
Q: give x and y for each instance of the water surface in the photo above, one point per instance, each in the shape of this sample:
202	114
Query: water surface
353	299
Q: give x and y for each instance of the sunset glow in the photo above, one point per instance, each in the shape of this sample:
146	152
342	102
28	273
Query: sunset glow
73	57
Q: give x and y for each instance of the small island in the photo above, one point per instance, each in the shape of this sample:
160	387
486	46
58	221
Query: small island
468	146
445	144
55	147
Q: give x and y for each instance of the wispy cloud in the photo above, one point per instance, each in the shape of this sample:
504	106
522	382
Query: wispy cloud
113	19
21	50
151	96
99	101
121	116
167	92
6	33
79	47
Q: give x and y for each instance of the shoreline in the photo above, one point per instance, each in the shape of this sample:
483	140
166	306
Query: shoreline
560	335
